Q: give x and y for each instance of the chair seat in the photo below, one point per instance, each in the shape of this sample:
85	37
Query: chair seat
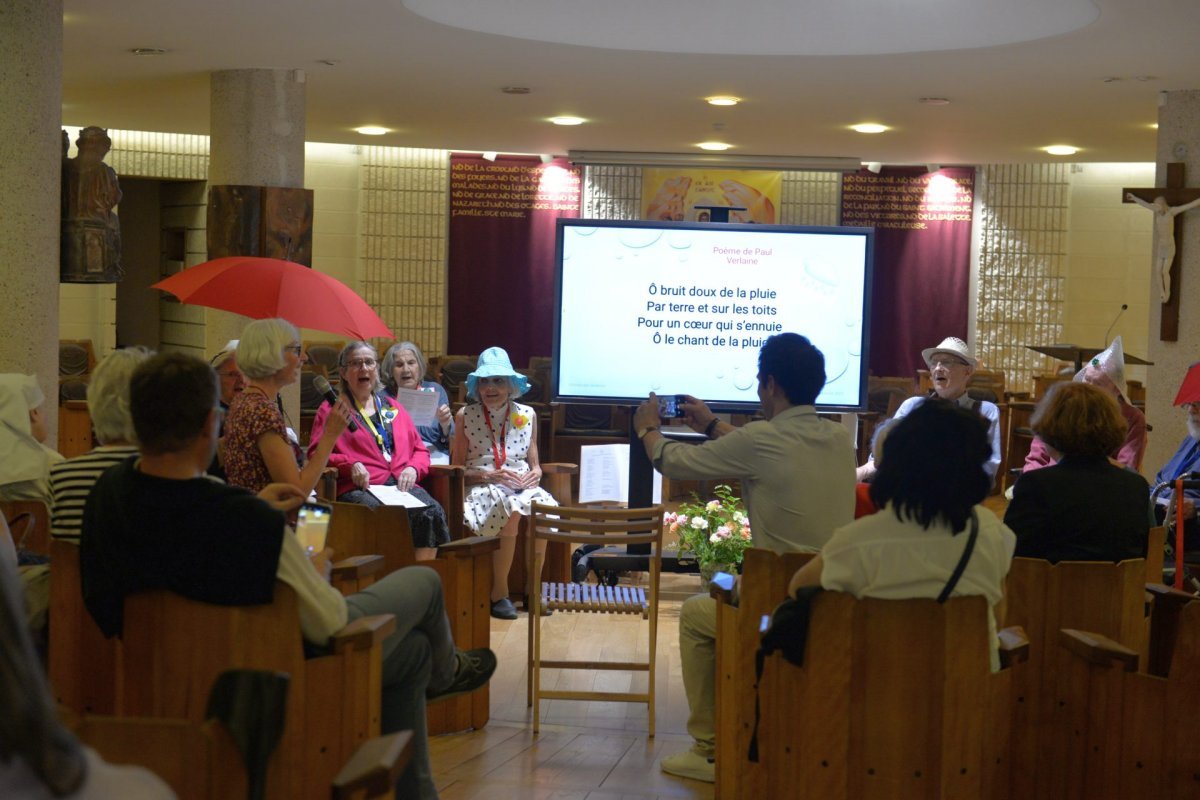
600	599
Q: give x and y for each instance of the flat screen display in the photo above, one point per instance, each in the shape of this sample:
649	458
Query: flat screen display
683	308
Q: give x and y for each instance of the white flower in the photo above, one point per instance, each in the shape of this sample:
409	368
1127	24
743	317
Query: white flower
713	505
716	537
700	523
740	518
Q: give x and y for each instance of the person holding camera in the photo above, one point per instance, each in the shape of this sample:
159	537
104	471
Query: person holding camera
797	478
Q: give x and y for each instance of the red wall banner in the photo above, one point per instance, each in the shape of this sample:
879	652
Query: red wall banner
501	251
920	291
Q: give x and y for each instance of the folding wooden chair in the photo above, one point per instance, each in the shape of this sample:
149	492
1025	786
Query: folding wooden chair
603	527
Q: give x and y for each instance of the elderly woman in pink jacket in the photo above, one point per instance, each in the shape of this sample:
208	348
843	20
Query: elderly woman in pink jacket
384	449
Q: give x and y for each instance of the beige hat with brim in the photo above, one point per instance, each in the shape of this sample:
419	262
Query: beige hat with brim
952	346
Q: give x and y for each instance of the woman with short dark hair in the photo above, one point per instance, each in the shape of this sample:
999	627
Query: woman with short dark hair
928	490
1083	508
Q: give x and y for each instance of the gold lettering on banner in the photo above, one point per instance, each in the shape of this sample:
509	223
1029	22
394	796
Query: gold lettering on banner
512	190
905	202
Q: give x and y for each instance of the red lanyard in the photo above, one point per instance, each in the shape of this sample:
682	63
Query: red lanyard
500	449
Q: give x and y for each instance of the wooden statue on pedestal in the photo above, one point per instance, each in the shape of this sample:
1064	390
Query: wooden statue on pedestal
91	232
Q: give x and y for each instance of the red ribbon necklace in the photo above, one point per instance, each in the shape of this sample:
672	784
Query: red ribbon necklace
500	449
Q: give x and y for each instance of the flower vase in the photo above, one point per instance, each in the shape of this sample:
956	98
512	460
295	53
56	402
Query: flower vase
710	568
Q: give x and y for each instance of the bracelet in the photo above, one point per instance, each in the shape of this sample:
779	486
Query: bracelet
710	427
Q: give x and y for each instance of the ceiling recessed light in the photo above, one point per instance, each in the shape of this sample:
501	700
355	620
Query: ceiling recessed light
1061	150
148	51
714	146
567	120
869	127
372	130
935	101
1154	126
515	89
722	100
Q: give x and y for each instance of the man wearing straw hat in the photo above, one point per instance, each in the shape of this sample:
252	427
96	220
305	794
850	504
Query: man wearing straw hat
951	365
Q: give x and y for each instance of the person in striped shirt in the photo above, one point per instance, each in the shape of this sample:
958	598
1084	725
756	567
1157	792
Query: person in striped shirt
108	403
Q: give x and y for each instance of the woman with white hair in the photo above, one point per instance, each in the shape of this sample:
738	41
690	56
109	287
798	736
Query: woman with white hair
24	459
404	368
108	404
260	448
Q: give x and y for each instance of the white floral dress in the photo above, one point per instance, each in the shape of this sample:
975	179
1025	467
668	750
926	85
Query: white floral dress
488	506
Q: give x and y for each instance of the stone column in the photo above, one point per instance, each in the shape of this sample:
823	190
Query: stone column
1178	140
256	129
31	46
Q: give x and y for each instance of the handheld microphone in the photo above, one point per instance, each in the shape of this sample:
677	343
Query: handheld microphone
322	386
1114	322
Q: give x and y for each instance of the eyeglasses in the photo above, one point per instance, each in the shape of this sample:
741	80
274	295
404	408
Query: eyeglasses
294	348
361	363
947	363
233	375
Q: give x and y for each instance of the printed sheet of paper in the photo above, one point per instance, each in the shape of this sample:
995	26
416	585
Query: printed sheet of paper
420	405
604	474
391	496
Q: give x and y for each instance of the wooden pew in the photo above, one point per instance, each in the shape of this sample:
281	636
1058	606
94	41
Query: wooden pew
465	567
29	523
199	761
1106	598
737	641
85	667
892	701
174	649
1135	742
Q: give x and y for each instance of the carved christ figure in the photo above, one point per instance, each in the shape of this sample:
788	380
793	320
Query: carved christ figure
1164	235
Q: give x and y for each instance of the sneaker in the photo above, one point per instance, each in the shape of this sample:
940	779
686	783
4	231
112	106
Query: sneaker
690	764
504	609
475	668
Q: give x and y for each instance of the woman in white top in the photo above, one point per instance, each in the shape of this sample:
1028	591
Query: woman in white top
927	490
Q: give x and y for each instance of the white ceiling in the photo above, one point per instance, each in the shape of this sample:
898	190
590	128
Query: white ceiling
1020	74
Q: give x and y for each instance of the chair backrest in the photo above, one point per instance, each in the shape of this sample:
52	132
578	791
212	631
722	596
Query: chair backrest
890	702
84	666
29	522
455	370
602	526
325	355
356	530
1105	598
76	357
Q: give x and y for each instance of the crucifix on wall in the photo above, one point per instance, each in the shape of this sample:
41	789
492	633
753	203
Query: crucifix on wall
1167	203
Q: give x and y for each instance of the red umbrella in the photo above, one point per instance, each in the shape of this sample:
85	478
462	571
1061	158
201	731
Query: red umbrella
261	288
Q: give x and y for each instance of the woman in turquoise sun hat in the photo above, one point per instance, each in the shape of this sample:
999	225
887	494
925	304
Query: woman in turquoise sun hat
496	440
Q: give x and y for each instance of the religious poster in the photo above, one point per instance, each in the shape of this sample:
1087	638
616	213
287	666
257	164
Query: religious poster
711	195
921	286
501	251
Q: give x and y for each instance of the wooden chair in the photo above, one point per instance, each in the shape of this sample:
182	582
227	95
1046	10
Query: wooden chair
556	479
894	700
1133	741
594	526
174	648
324	354
84	666
1107	598
29	522
454	371
465	567
1019	439
75	428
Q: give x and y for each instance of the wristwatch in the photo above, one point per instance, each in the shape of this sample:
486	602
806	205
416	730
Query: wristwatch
642	433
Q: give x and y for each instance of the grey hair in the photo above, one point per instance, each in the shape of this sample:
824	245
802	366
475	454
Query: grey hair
108	394
344	361
389	363
260	350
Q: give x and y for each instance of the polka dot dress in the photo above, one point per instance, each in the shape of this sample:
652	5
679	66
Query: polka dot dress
488	506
